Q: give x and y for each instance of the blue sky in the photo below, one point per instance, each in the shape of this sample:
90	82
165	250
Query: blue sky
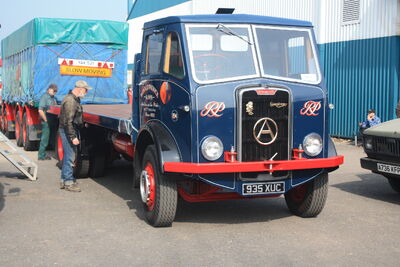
15	13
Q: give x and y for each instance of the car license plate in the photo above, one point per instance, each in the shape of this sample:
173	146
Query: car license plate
263	188
388	168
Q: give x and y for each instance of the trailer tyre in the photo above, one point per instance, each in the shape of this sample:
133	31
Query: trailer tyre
394	183
18	132
28	144
158	191
7	133
97	164
81	168
308	200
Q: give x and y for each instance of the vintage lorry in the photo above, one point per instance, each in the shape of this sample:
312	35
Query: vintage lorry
224	107
382	145
59	51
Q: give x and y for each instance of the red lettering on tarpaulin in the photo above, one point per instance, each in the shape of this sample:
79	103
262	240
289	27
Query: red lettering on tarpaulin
310	107
211	109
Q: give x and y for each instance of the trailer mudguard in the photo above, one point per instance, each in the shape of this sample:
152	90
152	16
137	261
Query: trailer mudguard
158	134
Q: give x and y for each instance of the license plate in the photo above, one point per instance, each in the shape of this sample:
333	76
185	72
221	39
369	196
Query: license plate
263	188
388	168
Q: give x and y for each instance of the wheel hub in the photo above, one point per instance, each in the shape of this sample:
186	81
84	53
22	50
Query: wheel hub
147	186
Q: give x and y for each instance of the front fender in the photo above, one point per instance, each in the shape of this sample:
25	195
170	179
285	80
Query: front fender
154	132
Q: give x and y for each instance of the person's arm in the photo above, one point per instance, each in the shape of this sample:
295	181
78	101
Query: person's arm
42	106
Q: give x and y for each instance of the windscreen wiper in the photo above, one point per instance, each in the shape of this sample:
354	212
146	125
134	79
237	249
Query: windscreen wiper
222	28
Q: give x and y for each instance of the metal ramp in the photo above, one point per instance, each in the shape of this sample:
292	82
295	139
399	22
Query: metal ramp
17	158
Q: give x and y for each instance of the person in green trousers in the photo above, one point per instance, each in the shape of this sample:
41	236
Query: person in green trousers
46	101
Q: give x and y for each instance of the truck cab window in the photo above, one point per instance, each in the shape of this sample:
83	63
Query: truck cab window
287	53
215	53
154	43
173	63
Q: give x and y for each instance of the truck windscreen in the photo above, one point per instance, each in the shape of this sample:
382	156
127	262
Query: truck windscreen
287	53
221	53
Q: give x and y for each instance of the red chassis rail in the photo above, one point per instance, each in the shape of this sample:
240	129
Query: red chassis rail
257	166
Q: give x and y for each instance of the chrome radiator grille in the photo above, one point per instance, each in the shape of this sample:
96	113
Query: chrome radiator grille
264	125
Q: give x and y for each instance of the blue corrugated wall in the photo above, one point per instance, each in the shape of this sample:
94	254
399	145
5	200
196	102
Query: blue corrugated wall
360	75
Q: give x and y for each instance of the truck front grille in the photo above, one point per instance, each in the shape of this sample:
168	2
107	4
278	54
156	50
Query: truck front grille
385	147
259	110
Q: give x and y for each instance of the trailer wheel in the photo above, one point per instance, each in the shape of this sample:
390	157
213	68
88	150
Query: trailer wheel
1	119
308	200
158	191
81	167
97	164
394	183
7	133
28	144
18	132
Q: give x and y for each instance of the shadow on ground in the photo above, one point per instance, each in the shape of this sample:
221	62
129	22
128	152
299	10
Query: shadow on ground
373	186
11	191
118	180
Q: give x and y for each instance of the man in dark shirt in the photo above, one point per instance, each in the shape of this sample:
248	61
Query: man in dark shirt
70	121
46	101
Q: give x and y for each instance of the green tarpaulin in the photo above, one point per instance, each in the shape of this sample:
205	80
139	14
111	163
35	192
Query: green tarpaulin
56	31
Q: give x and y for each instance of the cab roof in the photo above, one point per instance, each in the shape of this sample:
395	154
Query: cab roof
228	18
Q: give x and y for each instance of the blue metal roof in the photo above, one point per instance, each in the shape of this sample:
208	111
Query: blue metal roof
228	18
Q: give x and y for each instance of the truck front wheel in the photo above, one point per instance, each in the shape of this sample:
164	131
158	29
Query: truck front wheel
394	183
308	200
158	191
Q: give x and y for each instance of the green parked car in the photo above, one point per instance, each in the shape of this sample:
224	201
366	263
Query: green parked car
382	145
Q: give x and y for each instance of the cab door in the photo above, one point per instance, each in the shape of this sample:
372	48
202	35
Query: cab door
163	90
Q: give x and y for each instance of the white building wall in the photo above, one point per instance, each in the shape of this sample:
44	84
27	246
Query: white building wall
293	9
136	26
377	19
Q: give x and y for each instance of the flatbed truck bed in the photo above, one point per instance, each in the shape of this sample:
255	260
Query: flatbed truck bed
116	117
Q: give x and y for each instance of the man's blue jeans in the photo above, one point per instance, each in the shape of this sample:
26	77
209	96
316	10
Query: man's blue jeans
69	158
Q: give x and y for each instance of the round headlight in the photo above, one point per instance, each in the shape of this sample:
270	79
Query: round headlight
312	144
367	142
212	148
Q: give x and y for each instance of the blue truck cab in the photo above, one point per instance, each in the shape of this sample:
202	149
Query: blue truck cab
230	107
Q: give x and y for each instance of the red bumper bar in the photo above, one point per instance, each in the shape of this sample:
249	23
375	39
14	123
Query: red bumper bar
257	166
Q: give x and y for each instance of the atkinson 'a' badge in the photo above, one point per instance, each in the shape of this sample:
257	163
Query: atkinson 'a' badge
249	108
265	131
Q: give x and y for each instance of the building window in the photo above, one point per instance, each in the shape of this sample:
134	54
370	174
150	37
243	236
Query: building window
350	12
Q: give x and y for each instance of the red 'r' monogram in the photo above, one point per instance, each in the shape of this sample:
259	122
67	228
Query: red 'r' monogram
310	107
211	109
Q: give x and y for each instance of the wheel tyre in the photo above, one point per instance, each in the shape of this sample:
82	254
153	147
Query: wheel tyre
394	183
137	169
97	164
18	132
58	150
7	133
308	200
1	119
81	167
28	144
158	191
